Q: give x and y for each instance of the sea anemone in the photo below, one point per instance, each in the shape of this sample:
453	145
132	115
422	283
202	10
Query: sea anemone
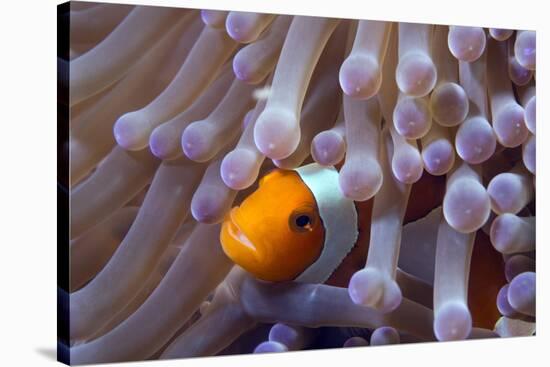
176	113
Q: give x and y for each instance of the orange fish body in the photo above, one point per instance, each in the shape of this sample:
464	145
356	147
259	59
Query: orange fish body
278	219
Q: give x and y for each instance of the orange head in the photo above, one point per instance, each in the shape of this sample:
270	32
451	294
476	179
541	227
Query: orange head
276	233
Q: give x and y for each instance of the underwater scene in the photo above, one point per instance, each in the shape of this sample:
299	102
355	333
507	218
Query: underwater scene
256	183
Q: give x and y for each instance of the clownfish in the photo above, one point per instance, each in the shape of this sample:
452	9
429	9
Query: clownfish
298	226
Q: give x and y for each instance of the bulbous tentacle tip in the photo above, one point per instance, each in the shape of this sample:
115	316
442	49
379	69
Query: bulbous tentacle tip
385	335
525	49
466	206
438	157
360	76
509	125
277	133
452	321
449	104
416	74
293	337
503	305
240	26
207	209
368	287
162	146
522	293
270	347
467	43
501	34
412	117
407	166
239	169
130	131
328	148
196	141
361	182
475	140
529	152
156	147
213	18
531	114
518	74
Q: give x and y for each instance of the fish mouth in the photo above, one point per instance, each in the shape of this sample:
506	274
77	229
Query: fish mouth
235	243
236	233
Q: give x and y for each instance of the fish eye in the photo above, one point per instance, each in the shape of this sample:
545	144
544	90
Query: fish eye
302	220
